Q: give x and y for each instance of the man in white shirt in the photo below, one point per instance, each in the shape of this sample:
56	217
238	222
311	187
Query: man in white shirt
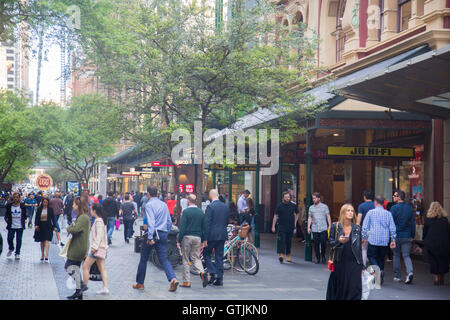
319	223
15	218
242	202
183	202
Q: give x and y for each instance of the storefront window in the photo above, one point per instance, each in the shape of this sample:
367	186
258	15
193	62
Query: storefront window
411	179
242	180
405	175
385	178
290	181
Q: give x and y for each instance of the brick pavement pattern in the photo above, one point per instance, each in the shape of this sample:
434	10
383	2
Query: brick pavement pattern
300	280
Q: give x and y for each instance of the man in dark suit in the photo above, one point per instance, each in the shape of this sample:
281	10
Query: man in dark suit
217	215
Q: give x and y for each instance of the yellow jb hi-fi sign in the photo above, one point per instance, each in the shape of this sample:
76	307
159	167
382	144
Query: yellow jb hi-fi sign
371	152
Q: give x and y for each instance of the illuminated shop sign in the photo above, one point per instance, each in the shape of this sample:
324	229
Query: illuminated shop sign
371	152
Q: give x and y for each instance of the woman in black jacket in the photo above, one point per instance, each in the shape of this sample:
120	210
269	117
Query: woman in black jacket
44	226
345	240
436	238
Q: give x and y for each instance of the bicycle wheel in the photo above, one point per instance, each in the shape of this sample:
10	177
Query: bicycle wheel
174	256
154	259
226	264
232	259
251	246
248	260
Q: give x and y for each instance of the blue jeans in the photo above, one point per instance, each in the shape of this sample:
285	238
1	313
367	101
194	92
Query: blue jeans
402	248
30	213
215	268
56	218
376	255
110	227
128	228
161	249
18	233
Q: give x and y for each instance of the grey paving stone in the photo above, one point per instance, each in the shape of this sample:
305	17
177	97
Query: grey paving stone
31	279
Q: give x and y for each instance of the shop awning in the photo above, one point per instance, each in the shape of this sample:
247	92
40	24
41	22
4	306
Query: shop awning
419	84
325	95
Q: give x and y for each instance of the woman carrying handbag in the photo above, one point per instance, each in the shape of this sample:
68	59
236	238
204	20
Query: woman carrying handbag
346	264
44	226
99	245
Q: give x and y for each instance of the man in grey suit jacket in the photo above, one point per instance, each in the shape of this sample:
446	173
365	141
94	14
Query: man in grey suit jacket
217	215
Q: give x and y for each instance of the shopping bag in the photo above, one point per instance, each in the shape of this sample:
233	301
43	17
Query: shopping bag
368	283
70	283
55	238
117	224
63	252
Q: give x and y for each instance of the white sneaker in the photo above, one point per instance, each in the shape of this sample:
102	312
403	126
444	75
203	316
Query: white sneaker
103	291
17	256
397	279
9	253
409	278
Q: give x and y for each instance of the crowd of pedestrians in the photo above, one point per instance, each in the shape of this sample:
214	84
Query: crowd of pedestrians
358	239
364	238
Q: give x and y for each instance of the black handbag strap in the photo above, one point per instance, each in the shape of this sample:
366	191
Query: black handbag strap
335	235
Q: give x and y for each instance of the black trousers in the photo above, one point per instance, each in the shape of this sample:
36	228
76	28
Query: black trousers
320	243
285	242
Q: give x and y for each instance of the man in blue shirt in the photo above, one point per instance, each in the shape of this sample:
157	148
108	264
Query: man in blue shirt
242	202
30	204
159	224
363	208
404	220
378	227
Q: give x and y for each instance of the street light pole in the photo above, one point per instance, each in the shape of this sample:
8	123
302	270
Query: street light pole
230	184
280	186
308	248
257	207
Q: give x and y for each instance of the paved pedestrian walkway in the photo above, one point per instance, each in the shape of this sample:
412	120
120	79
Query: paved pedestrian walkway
27	278
31	279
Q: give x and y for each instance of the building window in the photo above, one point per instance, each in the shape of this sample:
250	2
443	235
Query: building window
10	58
9	51
10	86
404	14
340	35
11	72
11	79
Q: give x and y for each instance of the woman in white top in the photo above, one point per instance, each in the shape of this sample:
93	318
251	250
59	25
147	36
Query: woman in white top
98	248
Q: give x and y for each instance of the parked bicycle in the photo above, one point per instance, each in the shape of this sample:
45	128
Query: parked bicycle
239	254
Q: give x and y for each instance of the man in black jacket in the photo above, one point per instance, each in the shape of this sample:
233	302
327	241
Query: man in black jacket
68	206
15	218
112	212
217	216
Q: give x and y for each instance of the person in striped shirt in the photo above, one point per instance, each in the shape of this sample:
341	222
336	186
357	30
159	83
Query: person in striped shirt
378	230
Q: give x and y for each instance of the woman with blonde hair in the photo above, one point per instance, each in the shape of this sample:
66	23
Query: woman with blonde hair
99	246
436	236
346	253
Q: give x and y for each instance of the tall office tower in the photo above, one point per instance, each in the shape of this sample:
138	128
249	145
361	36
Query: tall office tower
14	63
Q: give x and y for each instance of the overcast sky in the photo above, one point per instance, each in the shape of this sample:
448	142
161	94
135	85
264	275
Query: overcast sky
50	73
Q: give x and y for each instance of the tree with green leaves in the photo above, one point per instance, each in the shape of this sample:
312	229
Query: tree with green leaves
19	139
169	65
81	136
